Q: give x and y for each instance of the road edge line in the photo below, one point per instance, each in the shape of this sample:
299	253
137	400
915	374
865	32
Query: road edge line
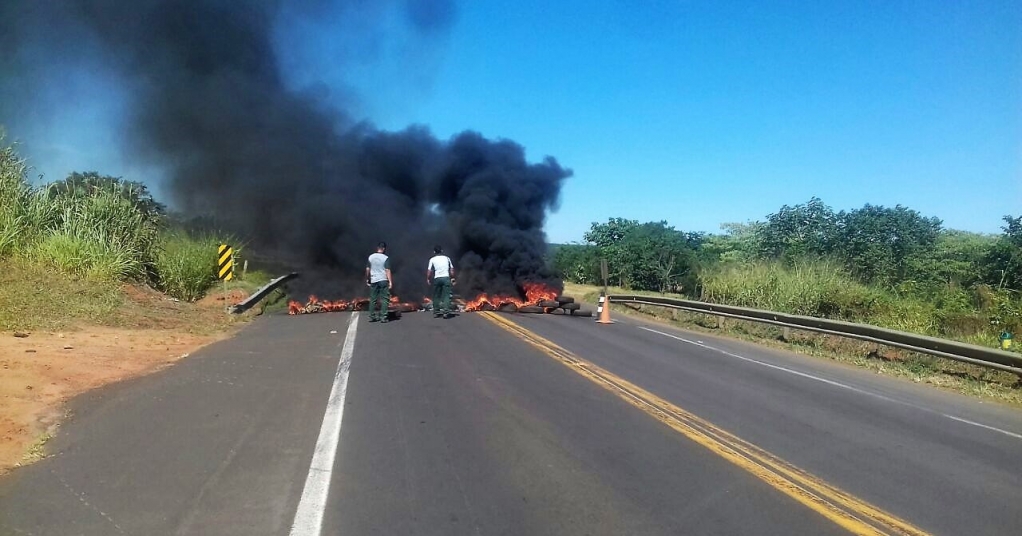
833	383
309	515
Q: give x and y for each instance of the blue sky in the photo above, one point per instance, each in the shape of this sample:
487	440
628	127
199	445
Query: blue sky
701	113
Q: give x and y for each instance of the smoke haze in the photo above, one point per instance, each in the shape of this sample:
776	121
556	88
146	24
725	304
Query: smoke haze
292	173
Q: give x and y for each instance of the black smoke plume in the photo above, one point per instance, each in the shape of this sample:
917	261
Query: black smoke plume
295	176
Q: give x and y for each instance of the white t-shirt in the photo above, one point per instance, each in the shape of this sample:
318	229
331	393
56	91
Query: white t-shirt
378	265
441	266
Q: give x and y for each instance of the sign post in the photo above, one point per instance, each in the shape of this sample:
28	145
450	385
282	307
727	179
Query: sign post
225	267
605	273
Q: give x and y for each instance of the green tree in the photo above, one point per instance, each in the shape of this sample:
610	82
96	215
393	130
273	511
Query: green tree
609	240
801	231
1003	266
647	256
739	244
578	263
90	182
604	235
879	244
957	260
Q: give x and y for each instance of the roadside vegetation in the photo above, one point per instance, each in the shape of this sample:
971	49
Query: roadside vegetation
69	249
98	283
889	267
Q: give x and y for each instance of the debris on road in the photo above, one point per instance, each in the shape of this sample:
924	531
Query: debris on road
316	305
540	299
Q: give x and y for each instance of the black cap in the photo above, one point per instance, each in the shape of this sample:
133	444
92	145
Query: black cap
381	245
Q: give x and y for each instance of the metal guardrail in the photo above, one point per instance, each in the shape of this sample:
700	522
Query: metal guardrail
262	293
959	351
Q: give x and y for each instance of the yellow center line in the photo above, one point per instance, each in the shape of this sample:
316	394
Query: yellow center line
853	514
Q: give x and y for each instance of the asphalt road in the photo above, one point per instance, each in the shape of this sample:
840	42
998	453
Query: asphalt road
462	427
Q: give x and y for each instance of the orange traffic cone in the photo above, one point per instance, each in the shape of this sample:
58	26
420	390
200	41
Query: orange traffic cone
603	311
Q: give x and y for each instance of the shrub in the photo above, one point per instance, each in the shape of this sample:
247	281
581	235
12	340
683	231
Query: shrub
186	265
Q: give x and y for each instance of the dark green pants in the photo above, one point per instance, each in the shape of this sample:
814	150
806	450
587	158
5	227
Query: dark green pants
379	291
441	295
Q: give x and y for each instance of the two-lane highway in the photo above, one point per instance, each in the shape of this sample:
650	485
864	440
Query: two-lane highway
941	460
478	425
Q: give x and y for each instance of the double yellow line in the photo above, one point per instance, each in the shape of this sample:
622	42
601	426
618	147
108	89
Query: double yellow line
851	513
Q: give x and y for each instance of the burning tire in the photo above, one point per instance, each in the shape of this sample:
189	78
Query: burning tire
508	308
571	306
549	304
531	309
565	299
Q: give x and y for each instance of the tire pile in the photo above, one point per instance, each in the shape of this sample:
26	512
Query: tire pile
562	305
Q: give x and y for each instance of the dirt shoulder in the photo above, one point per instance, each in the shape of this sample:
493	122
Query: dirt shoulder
40	370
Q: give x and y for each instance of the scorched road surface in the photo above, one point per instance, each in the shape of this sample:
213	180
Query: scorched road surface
475	426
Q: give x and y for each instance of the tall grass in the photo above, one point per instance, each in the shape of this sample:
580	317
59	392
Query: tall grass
823	289
14	193
187	265
100	233
813	289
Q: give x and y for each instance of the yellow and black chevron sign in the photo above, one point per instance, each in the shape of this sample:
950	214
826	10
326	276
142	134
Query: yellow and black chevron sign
225	263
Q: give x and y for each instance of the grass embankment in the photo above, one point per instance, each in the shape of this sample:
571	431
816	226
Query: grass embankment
97	287
953	375
67	248
36	298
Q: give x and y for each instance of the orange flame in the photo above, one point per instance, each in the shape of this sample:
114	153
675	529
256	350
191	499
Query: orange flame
485	302
535	293
315	305
538	292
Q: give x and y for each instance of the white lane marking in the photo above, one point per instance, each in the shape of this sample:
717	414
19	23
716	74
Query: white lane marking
834	383
309	517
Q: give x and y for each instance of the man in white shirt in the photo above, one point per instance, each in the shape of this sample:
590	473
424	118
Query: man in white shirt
440	274
379	280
